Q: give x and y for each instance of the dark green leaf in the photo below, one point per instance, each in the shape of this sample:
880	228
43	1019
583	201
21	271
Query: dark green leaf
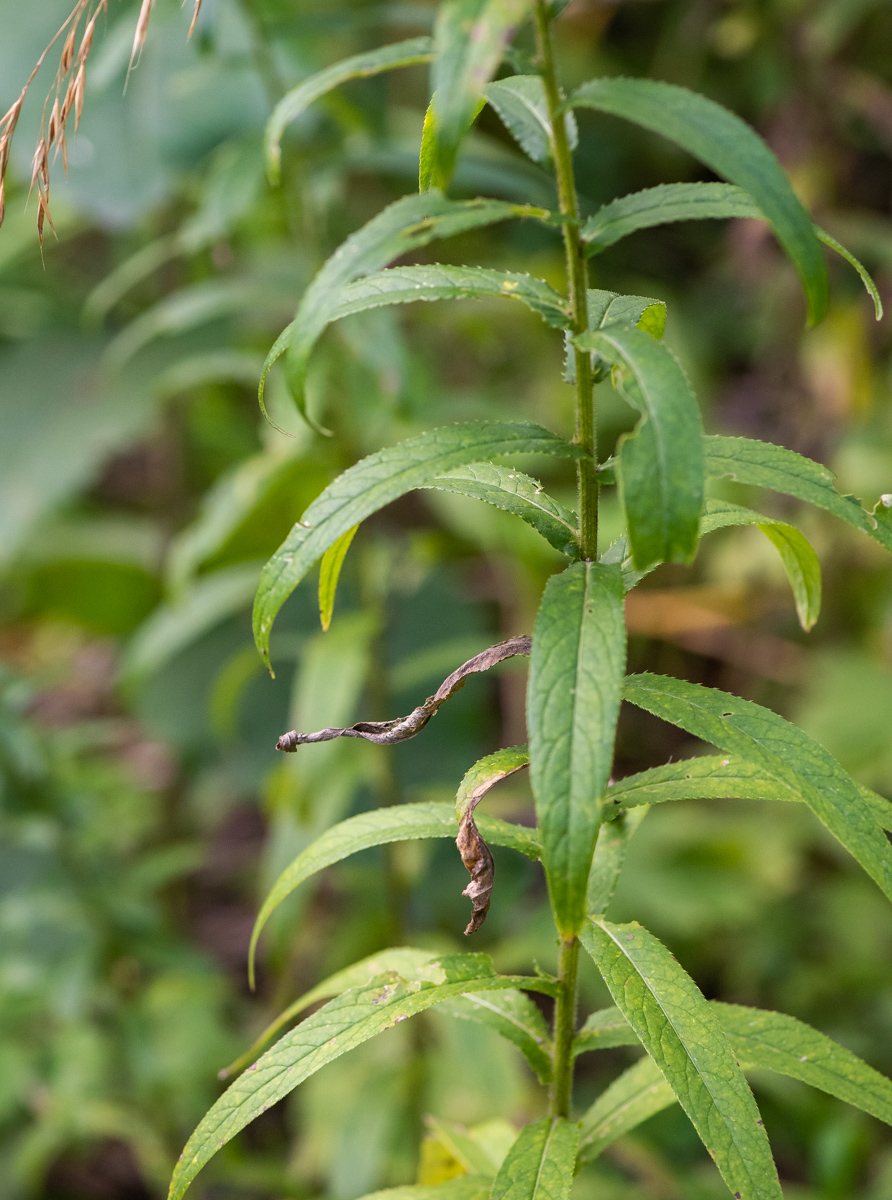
732	149
405	225
680	1032
470	37
660	467
579	650
399	823
360	66
377	481
609	857
516	493
639	1093
663	205
520	102
539	1166
605	1030
513	1015
783	751
341	1025
404	285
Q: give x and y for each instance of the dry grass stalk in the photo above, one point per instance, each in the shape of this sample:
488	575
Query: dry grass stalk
194	20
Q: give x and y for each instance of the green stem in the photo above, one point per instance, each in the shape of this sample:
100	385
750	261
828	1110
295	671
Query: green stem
577	280
564	1030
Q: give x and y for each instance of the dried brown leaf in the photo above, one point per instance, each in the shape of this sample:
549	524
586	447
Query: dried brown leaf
476	856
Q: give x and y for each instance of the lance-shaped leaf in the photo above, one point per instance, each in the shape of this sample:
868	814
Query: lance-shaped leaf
520	102
578	656
405	960
800	561
398	823
540	1165
405	225
388	733
516	493
682	1035
724	142
718	777
604	1030
466	1187
439	281
513	1015
660	467
330	573
474	851
640	1092
470	37
360	66
609	857
341	1025
783	751
378	480
762	464
670	202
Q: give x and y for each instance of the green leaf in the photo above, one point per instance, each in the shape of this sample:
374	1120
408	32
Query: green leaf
605	1030
680	1032
800	561
612	308
405	960
513	1015
783	751
520	102
718	777
470	38
360	66
398	823
432	170
515	493
775	1042
732	149
863	273
540	1164
578	656
404	285
487	772
330	573
470	1150
377	481
405	225
609	857
663	205
762	464
660	467
640	1092
342	1024
466	1187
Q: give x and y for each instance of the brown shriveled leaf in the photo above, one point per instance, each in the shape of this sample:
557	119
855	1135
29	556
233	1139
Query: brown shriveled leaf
388	733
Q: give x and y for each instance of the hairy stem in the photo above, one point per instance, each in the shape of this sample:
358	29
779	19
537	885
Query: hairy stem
564	1030
577	280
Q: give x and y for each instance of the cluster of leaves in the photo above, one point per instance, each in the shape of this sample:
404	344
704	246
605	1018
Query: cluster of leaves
203	323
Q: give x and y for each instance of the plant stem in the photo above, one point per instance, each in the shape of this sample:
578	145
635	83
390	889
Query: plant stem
577	280
564	1030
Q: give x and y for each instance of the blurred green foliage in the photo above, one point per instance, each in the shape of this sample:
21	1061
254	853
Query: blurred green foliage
144	809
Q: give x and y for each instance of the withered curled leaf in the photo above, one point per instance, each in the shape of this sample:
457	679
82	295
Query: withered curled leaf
388	733
471	846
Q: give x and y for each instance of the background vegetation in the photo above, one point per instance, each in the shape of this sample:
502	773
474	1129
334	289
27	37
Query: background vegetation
144	810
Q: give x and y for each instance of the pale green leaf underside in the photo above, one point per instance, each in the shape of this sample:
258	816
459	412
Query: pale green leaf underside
671	202
341	1025
513	1015
487	772
439	281
380	826
640	1092
378	480
466	1187
578	656
360	66
799	559
769	1041
680	1032
719	777
660	465
539	1166
762	464
521	104
724	142
405	225
516	493
782	751
330	573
